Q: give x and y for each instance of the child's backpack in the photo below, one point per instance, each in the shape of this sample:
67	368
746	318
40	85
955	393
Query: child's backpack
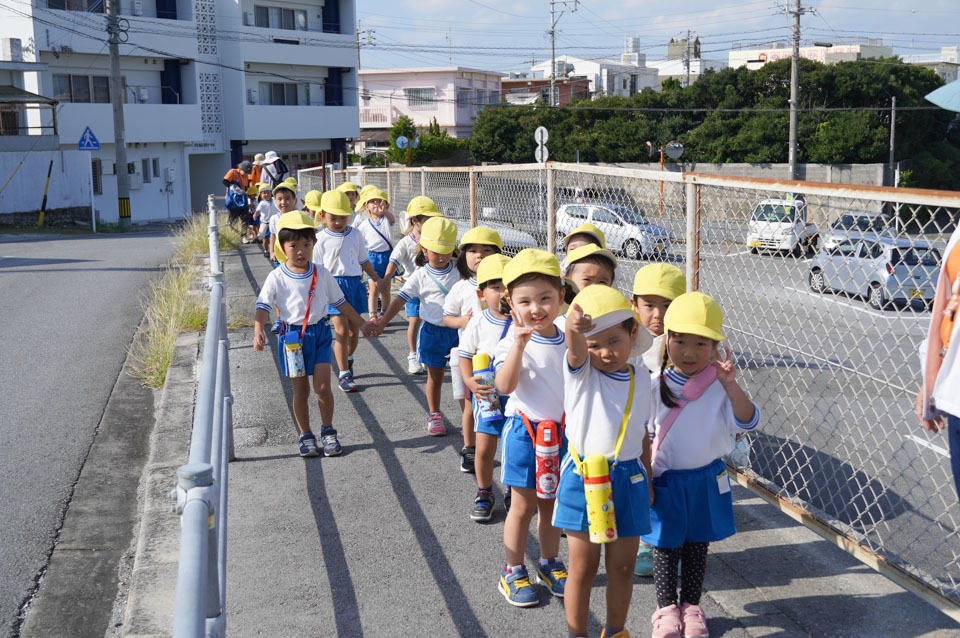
236	200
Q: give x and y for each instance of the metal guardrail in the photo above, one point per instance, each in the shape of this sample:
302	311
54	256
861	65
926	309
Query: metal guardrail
201	492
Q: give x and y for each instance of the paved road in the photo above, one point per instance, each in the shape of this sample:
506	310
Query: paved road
71	305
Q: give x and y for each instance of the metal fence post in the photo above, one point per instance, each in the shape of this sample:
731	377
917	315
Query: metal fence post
423	181
551	217
389	184
473	198
690	189
193	491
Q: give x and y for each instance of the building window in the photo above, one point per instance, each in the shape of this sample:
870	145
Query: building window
155	166
77	88
284	94
96	165
463	97
624	84
420	99
101	89
89	6
145	169
279	18
493	97
80	88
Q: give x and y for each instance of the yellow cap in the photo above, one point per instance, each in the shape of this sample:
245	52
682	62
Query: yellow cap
347	187
291	188
261	187
361	202
335	203
695	313
581	252
312	200
491	268
292	220
481	361
530	260
369	194
663	280
588	229
439	235
291	180
481	235
422	205
252	189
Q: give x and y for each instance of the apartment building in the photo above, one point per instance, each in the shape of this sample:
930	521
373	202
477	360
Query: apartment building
829	53
206	83
626	76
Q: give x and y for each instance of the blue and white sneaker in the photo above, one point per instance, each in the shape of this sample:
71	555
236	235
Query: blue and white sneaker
331	445
308	445
516	588
347	383
553	575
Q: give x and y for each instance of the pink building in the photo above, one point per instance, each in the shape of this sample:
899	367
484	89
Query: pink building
451	94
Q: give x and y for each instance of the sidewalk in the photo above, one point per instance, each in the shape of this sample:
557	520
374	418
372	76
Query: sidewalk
378	542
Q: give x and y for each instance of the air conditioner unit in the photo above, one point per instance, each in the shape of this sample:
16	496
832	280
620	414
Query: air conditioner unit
170	175
252	96
143	94
248	19
138	7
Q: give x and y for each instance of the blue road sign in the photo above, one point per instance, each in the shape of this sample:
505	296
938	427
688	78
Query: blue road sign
402	141
88	141
416	142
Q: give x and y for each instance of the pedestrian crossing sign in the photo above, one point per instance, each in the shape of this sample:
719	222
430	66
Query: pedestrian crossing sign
88	142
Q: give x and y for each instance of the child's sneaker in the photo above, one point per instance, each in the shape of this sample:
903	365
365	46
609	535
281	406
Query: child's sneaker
553	575
644	564
435	425
666	622
693	620
483	506
516	588
331	445
346	383
413	365
507	498
468	456
308	445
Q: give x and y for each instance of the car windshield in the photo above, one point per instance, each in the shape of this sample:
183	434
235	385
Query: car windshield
774	213
863	223
915	256
629	216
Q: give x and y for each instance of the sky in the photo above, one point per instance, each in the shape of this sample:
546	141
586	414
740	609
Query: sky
505	35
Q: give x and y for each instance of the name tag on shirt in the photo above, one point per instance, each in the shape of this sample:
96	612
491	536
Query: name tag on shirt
723	482
636	478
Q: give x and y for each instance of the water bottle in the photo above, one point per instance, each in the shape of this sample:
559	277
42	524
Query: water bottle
547	451
490	404
599	492
293	352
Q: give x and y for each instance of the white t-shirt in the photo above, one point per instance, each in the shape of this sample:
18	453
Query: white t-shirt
462	300
289	291
426	283
595	402
369	229
701	434
403	254
341	253
266	210
482	334
539	392
273	224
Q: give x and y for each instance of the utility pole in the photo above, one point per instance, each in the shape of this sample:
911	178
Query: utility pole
554	18
893	130
117	33
687	59
794	81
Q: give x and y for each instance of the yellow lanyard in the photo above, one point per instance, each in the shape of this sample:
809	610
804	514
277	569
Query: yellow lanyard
623	429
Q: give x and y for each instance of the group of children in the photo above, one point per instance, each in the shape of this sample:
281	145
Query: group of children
608	377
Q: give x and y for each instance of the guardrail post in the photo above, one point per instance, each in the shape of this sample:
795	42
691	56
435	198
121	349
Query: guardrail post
691	235
473	198
194	504
551	217
213	233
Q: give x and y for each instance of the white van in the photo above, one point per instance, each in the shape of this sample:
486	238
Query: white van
781	225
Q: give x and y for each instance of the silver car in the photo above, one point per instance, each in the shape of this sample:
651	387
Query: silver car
859	222
881	268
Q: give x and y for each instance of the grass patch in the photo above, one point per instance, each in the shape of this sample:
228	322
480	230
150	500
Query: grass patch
173	306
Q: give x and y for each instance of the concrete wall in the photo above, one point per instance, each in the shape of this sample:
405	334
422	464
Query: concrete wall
69	181
863	174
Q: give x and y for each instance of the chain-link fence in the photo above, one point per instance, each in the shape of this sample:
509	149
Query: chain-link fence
826	293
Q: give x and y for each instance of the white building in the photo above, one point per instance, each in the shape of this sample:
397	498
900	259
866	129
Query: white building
753	59
945	64
677	69
206	84
625	77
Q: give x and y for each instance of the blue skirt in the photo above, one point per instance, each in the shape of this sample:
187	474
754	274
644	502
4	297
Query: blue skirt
691	506
434	344
316	345
631	499
354	292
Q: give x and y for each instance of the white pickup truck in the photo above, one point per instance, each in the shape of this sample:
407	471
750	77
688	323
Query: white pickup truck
781	225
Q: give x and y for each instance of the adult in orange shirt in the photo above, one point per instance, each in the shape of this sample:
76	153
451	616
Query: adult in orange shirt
257	169
239	176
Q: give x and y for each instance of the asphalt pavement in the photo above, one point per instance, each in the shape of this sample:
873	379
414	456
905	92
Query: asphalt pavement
378	542
71	306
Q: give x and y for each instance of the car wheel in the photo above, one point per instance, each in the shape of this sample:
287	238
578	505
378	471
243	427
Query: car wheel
631	249
755	251
798	250
875	297
816	281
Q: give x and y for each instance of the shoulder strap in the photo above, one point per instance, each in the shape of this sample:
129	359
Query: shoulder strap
377	231
506	327
693	389
436	281
306	315
620	435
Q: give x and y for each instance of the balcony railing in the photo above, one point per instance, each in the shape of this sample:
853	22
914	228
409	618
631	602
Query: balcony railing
374	115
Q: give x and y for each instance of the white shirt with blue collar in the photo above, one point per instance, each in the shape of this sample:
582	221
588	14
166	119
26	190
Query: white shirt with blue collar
539	393
289	291
483	334
462	300
431	285
378	235
342	254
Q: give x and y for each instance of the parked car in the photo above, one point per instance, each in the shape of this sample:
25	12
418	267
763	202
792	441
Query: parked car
881	268
627	231
781	225
859	222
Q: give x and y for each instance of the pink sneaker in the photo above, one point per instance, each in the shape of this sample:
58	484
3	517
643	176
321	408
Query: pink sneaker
435	425
666	622
694	622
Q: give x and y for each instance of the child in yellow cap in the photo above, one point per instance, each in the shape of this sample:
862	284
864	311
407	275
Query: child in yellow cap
350	190
285	198
481	335
459	307
341	249
403	261
529	362
265	211
584	266
431	284
698	407
303	292
608	407
582	235
376	226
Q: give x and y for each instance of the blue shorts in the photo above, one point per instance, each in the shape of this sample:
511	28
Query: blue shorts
353	292
688	506
412	309
518	463
631	499
379	261
434	344
494	427
316	345
268	234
